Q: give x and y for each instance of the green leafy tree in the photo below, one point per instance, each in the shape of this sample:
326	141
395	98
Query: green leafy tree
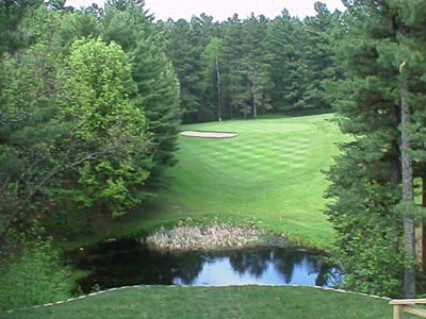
104	119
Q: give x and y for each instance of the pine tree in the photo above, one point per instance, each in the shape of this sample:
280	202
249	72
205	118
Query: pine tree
236	93
128	24
212	62
28	105
285	40
319	55
411	54
383	87
256	65
11	15
366	178
415	43
184	48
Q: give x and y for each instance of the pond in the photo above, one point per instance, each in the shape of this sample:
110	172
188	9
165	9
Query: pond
129	262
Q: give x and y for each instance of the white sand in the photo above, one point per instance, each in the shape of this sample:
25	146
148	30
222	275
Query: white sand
208	134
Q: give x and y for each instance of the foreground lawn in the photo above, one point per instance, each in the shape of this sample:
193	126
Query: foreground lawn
270	174
215	303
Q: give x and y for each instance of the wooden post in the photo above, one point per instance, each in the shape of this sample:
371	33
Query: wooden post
398	311
408	306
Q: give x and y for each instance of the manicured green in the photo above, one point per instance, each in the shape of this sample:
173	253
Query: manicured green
270	174
231	302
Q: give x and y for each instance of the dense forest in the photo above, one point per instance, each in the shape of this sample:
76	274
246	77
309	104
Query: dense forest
241	68
91	102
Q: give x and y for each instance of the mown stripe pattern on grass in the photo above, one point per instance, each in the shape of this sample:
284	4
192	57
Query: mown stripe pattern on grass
270	174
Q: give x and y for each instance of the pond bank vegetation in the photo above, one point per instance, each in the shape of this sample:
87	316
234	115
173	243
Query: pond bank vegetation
204	237
212	236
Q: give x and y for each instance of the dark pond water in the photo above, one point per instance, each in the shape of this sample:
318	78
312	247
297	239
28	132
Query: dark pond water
128	262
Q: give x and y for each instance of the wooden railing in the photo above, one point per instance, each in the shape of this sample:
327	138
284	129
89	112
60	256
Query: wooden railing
408	306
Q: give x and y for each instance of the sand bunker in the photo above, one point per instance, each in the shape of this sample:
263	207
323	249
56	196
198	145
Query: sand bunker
208	134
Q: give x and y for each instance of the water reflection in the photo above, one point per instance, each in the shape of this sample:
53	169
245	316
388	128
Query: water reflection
127	262
252	262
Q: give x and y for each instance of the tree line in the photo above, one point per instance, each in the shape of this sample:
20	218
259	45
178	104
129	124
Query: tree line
241	68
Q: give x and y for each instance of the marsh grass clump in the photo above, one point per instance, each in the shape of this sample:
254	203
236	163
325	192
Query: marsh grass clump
204	237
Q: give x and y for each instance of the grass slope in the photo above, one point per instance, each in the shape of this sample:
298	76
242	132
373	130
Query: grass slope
270	174
202	303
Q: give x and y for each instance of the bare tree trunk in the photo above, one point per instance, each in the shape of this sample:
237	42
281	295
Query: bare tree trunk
395	177
407	189
254	102
254	91
219	108
424	224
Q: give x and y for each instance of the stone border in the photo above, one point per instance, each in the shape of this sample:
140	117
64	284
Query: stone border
188	286
208	134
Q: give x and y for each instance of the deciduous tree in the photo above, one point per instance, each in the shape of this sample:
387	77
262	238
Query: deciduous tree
96	102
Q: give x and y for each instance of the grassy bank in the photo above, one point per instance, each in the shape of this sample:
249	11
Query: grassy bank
269	175
231	302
